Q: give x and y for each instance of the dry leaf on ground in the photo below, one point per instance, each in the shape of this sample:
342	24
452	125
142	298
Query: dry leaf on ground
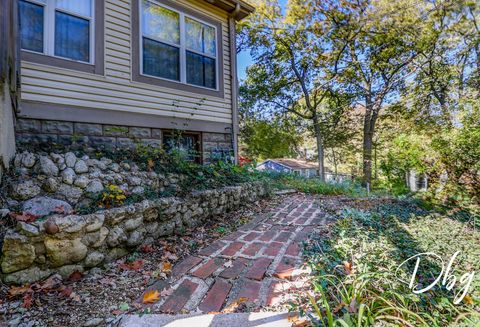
151	297
166	266
75	276
135	265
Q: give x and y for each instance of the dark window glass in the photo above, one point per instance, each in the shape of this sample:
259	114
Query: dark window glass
161	60
186	145
72	37
200	70
31	26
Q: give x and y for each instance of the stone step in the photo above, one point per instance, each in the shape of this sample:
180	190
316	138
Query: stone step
259	319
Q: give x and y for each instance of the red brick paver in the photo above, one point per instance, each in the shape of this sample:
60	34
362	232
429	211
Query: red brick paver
208	268
293	249
237	268
251	236
268	236
272	249
211	249
232	248
180	297
258	269
261	262
283	237
249	290
215	297
253	249
184	266
285	268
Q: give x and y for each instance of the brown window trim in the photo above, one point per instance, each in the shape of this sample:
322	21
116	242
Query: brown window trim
136	39
97	68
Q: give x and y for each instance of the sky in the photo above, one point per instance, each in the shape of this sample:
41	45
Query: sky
244	59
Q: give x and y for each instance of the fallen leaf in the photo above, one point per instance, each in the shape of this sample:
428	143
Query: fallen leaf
66	291
27	300
75	276
24	217
60	209
150	164
166	266
348	267
338	308
151	297
15	291
134	265
75	297
51	283
352	307
170	256
166	292
234	305
298	321
468	299
147	248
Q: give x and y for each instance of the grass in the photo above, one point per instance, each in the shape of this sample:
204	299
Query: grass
355	268
315	186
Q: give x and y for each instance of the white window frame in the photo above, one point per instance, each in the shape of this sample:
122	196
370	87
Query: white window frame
182	47
49	8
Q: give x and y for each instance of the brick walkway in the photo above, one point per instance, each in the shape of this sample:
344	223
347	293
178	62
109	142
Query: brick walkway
260	263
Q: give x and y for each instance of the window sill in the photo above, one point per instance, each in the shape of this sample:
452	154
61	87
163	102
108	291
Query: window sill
147	79
62	63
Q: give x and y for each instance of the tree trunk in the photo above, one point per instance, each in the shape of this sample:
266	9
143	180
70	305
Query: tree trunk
368	130
334	161
9	71
320	149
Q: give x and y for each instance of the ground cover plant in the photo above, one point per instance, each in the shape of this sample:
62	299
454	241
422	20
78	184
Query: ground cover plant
316	186
355	263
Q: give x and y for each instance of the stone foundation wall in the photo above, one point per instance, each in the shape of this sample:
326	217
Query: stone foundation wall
64	244
84	135
35	131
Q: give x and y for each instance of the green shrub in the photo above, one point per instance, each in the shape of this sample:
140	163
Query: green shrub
355	269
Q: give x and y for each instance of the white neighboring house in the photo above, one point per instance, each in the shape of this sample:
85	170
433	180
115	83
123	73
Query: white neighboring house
291	166
417	181
294	166
301	168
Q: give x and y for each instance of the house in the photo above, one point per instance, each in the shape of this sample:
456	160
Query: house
118	72
416	182
290	166
301	168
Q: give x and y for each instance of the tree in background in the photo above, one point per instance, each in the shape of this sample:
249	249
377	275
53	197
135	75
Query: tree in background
289	74
263	139
374	46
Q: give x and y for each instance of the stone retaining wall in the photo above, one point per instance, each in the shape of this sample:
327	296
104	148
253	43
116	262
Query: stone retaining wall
78	180
64	244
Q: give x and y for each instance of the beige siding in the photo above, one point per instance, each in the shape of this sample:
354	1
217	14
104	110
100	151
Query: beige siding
115	90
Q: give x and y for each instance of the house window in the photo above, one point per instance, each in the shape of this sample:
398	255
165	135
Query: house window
63	33
178	47
186	145
61	28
